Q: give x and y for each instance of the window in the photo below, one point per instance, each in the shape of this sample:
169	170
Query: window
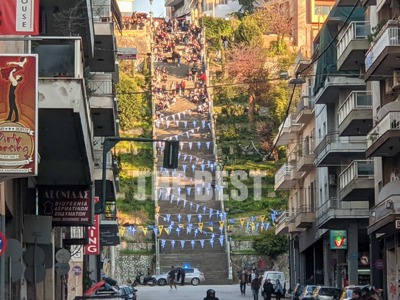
322	10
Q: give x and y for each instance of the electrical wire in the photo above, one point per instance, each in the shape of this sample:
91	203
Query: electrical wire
331	42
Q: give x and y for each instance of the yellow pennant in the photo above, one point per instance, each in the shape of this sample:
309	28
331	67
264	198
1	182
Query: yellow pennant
182	226
121	231
221	224
157	209
253	226
166	230
211	229
262	227
262	218
201	227
242	221
145	230
160	228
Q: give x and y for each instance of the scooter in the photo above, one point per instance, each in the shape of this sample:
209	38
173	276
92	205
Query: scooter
144	280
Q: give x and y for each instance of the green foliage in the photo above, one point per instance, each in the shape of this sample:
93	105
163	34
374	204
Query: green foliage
249	32
133	105
269	244
278	99
135	252
215	29
131	205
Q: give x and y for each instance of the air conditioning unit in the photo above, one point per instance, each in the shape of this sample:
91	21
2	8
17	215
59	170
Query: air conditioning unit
396	80
332	179
388	85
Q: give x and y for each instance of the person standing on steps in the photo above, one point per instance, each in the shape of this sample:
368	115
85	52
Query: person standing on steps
171	278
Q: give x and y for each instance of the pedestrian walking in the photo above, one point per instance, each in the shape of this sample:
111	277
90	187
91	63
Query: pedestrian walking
278	289
255	286
268	289
171	278
243	281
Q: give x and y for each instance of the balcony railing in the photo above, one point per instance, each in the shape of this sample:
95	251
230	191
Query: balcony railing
389	122
282	218
358	169
305	209
306	102
388	36
100	87
282	172
355	31
390	205
356	100
331	203
59	56
102	13
333	138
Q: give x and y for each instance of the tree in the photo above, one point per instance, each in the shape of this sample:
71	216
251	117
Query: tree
134	105
275	18
249	31
248	65
269	244
215	28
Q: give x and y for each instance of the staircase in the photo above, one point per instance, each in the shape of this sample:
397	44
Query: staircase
192	230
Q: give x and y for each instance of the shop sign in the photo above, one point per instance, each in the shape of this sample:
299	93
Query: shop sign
338	239
93	235
19	17
68	205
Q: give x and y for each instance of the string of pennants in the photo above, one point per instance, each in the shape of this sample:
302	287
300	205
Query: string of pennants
179	115
185	123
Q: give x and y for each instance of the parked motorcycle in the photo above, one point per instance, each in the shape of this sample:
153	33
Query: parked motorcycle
144	280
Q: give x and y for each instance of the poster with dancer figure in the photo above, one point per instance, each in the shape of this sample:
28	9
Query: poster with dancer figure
18	114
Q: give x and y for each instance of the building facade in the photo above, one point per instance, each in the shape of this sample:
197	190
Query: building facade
52	210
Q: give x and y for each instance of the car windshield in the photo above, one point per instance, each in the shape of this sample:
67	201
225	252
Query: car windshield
329	292
274	276
311	288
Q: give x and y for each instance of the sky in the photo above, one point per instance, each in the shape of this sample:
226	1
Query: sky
144	6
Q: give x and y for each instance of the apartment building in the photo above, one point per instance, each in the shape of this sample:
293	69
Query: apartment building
336	247
50	210
382	78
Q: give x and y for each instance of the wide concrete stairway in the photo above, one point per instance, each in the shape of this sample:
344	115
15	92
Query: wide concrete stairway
190	219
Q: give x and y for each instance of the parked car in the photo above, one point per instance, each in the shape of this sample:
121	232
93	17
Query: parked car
297	290
127	291
307	292
326	293
192	276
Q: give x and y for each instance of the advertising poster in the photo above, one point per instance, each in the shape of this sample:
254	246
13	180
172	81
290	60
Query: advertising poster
18	115
19	17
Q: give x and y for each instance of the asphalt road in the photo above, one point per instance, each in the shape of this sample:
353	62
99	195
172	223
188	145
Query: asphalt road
223	292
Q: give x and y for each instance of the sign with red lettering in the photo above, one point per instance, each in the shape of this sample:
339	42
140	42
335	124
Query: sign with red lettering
18	115
68	205
93	235
19	17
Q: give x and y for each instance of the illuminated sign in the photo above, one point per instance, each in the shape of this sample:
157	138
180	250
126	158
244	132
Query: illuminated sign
338	239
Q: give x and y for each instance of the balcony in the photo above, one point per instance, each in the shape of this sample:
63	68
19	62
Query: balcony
305	217
305	110
65	126
305	162
103	105
382	58
111	172
383	139
292	156
282	178
352	46
282	224
291	224
355	114
356	182
333	148
332	213
387	211
288	133
294	173
104	13
333	85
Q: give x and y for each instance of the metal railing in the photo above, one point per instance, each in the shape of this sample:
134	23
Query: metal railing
358	169
389	122
102	13
282	218
306	102
305	209
355	31
388	206
333	138
101	87
282	172
388	36
331	203
356	100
